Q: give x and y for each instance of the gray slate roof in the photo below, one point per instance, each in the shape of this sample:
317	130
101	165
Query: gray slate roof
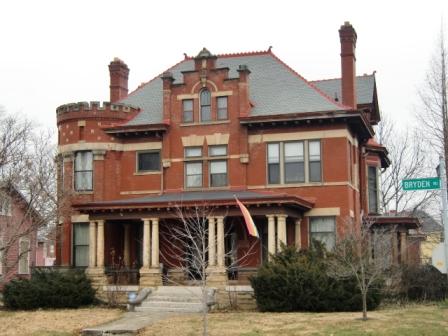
273	87
364	88
191	196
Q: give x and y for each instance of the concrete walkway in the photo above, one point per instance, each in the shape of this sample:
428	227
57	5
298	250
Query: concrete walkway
129	324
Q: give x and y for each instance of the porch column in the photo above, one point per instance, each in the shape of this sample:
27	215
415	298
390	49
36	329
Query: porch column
100	244
220	224
403	247
155	243
126	246
271	234
146	243
211	242
92	244
297	233
281	231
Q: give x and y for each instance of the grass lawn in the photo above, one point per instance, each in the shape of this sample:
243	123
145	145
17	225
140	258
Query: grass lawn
61	322
410	321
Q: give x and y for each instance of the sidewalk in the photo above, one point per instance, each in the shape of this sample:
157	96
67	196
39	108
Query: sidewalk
129	324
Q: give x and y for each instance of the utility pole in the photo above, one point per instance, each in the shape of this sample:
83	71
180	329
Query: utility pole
443	191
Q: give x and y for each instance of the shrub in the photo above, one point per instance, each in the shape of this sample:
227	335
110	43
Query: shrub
49	289
422	283
298	281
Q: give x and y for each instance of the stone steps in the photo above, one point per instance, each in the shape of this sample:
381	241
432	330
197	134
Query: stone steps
181	299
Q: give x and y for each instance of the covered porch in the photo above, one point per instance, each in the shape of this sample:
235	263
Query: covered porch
141	241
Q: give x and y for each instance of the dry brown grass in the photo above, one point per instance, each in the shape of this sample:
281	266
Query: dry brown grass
415	320
59	322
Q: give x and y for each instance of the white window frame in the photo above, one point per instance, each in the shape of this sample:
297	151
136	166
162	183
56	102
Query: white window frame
83	171
220	155
306	162
376	187
19	271
193	158
310	233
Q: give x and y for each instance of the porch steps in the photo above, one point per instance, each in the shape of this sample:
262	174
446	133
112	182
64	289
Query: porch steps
181	299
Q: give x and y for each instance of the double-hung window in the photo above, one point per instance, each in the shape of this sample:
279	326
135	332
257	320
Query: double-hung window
148	161
206	110
221	110
323	229
373	189
315	169
274	163
24	256
193	168
187	110
84	171
218	166
294	162
81	244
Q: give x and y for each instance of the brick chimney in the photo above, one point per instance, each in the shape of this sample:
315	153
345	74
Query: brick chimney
119	73
348	37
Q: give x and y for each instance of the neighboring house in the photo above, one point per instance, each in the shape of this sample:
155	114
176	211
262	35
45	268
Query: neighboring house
432	234
300	155
18	235
45	252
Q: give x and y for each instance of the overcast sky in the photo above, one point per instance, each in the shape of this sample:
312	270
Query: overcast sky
57	52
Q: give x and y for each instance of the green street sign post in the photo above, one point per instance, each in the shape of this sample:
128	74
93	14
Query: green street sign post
428	183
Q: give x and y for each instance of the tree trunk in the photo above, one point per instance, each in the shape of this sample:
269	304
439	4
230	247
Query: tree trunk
364	305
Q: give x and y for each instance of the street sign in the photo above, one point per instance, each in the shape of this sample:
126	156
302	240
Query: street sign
438	258
427	183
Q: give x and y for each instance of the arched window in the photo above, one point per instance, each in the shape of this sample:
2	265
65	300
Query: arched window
206	111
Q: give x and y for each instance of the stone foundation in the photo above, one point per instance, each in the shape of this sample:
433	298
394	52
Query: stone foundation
150	277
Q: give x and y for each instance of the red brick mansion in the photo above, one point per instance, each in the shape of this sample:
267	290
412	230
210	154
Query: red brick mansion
300	155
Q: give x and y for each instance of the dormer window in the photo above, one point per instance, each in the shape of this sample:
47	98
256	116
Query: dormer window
205	100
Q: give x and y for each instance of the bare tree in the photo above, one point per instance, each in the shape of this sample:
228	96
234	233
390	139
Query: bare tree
433	97
409	159
189	250
364	253
28	186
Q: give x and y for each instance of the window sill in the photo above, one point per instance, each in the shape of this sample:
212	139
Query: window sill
90	192
295	185
216	122
206	188
148	173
